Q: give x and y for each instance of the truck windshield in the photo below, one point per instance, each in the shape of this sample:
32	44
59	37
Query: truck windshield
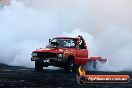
64	42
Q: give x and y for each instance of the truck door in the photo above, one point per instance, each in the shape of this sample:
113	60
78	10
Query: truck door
82	52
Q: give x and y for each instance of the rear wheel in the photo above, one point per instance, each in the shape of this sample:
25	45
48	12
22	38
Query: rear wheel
91	65
38	65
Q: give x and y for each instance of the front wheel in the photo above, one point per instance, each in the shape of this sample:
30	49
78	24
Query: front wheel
70	66
38	65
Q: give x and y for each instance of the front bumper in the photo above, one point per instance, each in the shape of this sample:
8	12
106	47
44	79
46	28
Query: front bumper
49	59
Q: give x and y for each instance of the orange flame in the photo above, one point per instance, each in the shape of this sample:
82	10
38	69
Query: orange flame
81	71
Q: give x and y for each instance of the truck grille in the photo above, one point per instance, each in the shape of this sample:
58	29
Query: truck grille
47	55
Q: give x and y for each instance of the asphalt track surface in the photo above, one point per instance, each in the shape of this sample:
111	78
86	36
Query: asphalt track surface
21	77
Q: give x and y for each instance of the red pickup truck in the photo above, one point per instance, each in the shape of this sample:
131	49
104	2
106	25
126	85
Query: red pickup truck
64	52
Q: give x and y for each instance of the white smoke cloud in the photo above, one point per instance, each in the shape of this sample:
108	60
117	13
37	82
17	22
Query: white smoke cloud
22	30
105	25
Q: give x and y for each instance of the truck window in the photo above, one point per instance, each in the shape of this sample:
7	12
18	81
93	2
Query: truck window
64	42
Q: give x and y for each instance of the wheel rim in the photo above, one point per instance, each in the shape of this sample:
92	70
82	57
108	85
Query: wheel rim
71	66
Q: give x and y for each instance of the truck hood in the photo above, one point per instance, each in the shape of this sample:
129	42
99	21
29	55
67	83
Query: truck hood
54	50
51	50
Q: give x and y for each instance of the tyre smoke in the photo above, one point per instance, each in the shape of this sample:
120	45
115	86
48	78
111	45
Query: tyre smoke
105	25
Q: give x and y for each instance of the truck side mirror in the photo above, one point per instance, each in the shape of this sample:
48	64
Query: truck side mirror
49	40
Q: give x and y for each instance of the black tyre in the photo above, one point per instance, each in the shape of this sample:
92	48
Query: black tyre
91	65
38	65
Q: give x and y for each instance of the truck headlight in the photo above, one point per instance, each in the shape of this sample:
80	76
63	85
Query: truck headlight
60	55
34	54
